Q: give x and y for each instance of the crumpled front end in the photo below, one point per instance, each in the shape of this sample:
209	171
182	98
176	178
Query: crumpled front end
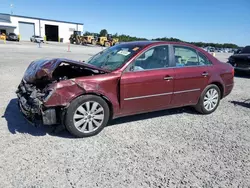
31	104
48	86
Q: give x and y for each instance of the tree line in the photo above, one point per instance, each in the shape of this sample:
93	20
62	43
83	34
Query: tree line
128	38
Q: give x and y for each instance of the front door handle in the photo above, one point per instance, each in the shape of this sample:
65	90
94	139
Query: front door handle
168	78
204	74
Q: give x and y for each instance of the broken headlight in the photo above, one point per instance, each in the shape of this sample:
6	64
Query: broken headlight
48	94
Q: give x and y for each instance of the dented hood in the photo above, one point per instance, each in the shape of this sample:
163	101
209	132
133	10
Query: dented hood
43	69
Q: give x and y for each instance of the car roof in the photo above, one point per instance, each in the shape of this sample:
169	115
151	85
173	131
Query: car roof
152	43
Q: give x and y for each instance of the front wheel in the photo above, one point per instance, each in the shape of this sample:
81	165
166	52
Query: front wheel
107	44
87	115
209	100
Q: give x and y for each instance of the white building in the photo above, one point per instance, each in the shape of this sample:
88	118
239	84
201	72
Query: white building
26	27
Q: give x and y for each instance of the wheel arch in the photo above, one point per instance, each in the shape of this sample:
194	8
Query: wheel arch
220	86
105	98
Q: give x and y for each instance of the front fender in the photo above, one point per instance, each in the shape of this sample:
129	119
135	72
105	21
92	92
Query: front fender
64	92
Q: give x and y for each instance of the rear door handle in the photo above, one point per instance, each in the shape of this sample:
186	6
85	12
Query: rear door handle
204	74
168	78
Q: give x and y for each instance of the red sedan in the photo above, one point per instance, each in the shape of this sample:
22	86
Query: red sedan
128	78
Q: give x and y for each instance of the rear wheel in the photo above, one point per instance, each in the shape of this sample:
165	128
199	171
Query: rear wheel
209	100
87	115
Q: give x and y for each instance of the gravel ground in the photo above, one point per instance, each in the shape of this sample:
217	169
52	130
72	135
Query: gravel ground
173	148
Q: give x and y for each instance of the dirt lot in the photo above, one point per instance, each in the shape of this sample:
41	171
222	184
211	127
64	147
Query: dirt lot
173	148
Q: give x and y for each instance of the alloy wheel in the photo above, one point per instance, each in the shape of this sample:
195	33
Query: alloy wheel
88	117
211	99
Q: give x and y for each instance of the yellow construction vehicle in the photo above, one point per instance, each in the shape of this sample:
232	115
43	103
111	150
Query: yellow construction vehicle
107	41
3	36
76	38
90	39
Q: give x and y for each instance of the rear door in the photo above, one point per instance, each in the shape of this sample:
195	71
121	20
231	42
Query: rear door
192	73
147	84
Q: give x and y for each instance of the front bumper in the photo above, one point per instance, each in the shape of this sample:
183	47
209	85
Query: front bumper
12	39
33	109
245	69
39	41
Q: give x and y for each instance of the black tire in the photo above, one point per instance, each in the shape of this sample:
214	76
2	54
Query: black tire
200	105
69	122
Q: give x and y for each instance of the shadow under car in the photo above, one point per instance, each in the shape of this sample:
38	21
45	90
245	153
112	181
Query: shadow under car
17	123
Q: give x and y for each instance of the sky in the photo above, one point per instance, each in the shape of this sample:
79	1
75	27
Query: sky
219	21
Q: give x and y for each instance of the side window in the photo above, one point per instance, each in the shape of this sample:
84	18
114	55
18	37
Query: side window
146	55
185	56
154	58
203	60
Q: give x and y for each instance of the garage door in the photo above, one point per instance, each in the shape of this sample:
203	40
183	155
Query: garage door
26	30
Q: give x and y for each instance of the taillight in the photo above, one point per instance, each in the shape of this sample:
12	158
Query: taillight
233	71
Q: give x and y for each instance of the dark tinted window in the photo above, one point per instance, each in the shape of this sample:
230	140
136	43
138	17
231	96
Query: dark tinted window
203	60
154	58
185	56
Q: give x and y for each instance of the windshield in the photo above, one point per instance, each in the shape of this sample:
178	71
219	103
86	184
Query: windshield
114	57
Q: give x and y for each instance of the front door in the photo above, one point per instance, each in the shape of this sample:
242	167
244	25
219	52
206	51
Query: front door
191	73
147	85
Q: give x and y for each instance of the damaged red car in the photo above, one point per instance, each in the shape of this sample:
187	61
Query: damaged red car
125	79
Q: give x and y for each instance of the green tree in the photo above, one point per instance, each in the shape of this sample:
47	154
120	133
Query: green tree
103	33
87	33
128	38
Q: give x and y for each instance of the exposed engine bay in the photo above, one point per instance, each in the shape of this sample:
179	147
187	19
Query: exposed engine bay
36	86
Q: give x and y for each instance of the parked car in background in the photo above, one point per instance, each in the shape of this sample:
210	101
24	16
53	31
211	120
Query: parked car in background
237	51
125	79
211	49
219	50
36	38
241	60
12	37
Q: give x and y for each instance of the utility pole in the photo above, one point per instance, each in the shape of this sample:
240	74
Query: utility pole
11	8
